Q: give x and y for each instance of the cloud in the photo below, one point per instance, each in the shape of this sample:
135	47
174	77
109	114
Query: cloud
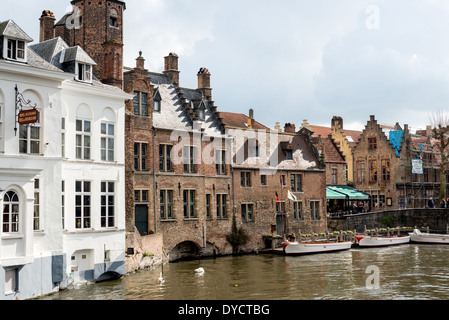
395	71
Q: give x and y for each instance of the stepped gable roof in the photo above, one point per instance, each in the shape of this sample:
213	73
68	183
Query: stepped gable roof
331	152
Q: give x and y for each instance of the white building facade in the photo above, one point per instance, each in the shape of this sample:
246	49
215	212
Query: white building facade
62	176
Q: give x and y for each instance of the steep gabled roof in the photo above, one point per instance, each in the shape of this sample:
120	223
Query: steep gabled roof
10	29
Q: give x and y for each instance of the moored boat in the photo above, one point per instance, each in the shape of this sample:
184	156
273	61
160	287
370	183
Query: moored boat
380	241
421	237
297	248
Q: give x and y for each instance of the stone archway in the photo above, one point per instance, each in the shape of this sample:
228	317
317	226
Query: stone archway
185	250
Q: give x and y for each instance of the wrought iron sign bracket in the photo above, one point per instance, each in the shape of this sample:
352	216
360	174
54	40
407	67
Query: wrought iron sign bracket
22	118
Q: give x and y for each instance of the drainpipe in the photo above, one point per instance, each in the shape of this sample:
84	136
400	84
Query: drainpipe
154	180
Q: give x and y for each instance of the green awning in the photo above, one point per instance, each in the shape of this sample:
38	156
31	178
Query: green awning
332	192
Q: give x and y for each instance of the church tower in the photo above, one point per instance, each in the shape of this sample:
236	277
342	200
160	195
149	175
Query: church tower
97	27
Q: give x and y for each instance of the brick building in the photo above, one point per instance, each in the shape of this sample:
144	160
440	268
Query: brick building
380	158
97	27
175	186
266	166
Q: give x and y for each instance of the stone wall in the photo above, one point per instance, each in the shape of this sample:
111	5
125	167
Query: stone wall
436	219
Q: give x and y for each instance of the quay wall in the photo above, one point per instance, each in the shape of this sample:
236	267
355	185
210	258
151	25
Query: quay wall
436	220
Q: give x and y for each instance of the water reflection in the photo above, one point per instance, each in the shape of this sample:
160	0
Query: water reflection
406	272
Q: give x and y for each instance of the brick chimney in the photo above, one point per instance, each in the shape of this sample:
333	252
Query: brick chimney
204	83
47	30
290	128
171	68
251	119
140	62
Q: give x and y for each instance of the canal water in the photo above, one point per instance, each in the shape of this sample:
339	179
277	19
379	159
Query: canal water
412	271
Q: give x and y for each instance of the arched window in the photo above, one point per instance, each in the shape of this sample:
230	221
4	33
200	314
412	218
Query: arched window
11	212
113	18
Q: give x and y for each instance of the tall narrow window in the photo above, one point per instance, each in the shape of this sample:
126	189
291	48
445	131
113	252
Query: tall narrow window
189	159
1	127
165	164
373	171
84	72
107	204
107	142
221	206
386	170
189	203
372	143
82	204
315	210
334	176
166	204
63	137
220	162
140	156
63	203
297	210
36	216
208	204
11	212
83	139
296	181
360	171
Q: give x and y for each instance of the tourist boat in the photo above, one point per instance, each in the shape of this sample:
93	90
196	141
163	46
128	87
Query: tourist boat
380	241
297	248
420	237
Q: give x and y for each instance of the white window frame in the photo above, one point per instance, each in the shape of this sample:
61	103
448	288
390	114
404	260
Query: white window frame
107	207
37	223
11	214
14	56
107	142
82	135
86	72
84	207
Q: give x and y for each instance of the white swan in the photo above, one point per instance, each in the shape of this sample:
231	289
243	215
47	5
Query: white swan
199	270
161	279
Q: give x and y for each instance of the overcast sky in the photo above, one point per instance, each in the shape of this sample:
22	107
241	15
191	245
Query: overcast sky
292	60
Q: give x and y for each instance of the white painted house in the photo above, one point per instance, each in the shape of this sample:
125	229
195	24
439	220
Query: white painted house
61	177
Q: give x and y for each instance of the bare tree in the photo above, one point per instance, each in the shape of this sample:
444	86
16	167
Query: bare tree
439	121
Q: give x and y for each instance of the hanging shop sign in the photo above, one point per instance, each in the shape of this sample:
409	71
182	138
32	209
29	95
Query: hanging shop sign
28	116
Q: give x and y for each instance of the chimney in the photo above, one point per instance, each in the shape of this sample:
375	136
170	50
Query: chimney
171	68
204	83
337	121
277	127
47	26
290	128
140	62
251	119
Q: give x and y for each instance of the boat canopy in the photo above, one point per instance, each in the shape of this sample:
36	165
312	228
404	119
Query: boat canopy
343	192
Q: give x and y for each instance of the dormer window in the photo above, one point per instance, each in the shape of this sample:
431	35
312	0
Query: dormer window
15	50
13	42
84	72
201	112
157	102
